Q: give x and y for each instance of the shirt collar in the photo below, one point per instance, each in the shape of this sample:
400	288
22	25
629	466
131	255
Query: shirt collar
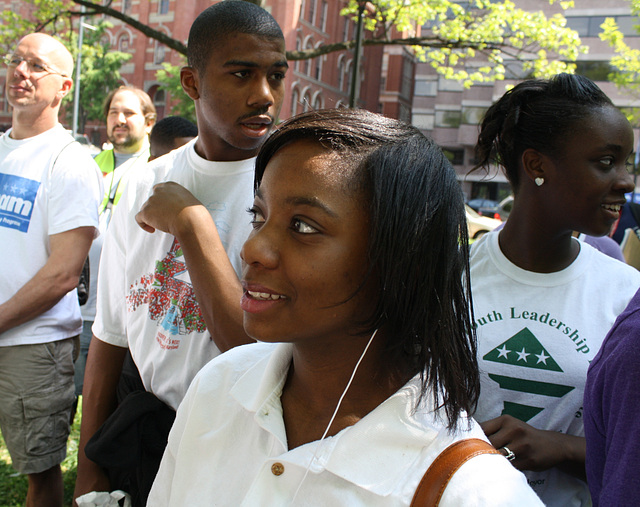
393	440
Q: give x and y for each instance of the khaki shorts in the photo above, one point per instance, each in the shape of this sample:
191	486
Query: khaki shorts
36	400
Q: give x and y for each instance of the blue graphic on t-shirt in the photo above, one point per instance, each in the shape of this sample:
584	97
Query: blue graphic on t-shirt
17	195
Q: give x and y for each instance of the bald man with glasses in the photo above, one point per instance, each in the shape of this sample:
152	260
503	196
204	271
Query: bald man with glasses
50	189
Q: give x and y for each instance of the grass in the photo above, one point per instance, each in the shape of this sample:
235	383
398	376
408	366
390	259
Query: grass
13	486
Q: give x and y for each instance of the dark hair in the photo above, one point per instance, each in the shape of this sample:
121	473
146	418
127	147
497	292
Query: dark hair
170	127
218	21
418	244
146	104
538	114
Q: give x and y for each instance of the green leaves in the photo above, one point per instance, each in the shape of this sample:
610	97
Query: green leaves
457	35
169	77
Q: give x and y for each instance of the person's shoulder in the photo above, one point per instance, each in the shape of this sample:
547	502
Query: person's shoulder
610	267
621	348
234	363
491	481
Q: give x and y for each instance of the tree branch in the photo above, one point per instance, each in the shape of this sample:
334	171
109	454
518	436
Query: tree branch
141	27
426	42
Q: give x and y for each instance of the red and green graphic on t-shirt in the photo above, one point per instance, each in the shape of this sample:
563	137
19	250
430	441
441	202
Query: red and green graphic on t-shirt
524	350
169	294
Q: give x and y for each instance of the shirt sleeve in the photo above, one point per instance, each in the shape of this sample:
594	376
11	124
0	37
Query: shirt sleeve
612	405
75	191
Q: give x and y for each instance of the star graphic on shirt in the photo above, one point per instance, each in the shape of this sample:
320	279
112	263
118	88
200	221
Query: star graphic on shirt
503	352
542	357
522	356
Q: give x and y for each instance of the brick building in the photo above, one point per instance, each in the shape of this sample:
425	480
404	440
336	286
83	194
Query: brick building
321	82
451	114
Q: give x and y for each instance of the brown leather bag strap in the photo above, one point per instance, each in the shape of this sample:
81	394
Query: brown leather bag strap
437	476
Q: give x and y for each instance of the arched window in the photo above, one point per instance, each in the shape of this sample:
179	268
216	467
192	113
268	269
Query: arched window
159	99
123	42
159	53
317	101
298	48
341	72
306	64
163	6
312	11
295	99
317	65
322	24
306	102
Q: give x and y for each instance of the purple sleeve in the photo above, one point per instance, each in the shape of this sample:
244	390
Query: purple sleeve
606	245
612	413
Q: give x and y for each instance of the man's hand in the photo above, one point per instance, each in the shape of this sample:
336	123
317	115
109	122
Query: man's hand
167	207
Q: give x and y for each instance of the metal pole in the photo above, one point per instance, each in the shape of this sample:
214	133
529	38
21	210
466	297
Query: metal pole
354	91
76	89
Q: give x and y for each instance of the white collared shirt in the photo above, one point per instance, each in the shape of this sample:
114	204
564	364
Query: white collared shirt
228	447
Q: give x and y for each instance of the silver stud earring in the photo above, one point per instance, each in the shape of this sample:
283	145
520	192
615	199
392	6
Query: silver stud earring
539	181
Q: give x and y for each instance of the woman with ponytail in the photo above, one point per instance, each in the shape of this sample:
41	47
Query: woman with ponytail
543	301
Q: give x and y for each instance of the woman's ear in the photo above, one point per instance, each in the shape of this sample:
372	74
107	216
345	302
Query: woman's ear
534	164
190	82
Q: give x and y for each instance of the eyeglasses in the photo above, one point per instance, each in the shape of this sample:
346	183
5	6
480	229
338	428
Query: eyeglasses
32	65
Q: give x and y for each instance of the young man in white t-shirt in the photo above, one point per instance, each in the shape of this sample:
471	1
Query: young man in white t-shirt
171	313
49	194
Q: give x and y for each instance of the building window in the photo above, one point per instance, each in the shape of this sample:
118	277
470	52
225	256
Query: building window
159	100
126	5
426	88
449	85
450	119
163	7
423	121
123	42
312	11
296	65
317	102
455	156
341	72
295	98
306	102
323	15
589	26
472	115
306	64
596	71
317	65
345	30
158	54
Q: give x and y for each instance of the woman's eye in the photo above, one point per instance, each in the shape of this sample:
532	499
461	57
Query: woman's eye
302	227
257	218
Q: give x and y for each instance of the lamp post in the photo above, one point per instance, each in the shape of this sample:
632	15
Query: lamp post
76	89
354	89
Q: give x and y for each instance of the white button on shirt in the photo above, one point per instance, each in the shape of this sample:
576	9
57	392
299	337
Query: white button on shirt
228	448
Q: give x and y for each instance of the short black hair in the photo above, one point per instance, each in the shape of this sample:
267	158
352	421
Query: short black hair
538	114
218	21
417	247
170	127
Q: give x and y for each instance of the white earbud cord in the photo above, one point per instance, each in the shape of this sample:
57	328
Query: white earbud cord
335	413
